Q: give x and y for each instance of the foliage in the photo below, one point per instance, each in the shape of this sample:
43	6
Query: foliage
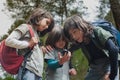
3	37
59	8
109	17
80	63
15	25
21	9
115	9
112	8
103	8
8	78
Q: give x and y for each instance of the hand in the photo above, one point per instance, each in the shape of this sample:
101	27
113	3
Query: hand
64	58
106	77
46	49
33	41
72	71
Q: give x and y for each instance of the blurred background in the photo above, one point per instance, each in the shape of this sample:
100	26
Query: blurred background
15	12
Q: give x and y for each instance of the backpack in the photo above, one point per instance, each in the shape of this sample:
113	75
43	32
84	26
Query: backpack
9	58
108	26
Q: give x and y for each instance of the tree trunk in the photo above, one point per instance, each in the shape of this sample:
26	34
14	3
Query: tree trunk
115	8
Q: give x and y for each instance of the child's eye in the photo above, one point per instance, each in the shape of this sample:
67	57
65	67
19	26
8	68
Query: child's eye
47	22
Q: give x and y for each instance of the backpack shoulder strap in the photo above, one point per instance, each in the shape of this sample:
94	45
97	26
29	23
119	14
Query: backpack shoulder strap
31	31
28	54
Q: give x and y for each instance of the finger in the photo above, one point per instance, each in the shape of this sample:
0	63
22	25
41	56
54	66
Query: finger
106	77
35	40
69	53
44	50
72	72
59	55
65	57
49	48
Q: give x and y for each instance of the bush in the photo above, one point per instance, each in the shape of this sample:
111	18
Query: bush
80	63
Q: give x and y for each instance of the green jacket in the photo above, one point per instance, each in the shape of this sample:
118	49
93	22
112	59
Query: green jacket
99	37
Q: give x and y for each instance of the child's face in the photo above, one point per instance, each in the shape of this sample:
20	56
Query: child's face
44	24
76	34
60	44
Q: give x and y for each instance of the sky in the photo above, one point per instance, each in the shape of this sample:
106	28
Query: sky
91	4
6	21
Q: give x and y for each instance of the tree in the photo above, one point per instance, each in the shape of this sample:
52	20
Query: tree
21	9
103	9
110	10
60	9
115	8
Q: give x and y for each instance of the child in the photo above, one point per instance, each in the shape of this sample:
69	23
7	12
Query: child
85	36
58	59
40	21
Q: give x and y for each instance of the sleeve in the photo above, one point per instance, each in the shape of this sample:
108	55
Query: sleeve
113	56
23	28
51	61
70	63
13	38
53	64
74	47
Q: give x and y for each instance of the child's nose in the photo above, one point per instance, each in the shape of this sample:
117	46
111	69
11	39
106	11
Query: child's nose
73	36
46	27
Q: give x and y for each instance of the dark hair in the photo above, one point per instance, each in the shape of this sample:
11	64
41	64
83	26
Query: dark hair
76	21
55	35
37	15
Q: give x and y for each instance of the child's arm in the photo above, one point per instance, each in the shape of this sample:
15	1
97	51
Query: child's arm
64	58
13	41
52	63
113	56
